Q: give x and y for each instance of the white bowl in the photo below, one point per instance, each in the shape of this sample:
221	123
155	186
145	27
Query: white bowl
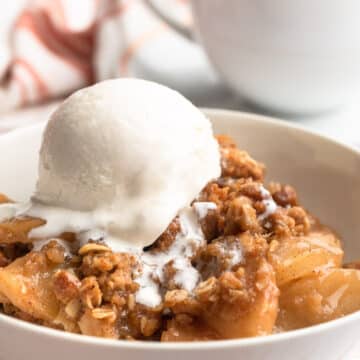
325	174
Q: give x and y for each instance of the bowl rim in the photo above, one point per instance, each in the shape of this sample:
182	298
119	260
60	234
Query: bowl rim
185	346
6	320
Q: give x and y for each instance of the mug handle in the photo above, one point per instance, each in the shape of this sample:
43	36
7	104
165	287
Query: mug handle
175	25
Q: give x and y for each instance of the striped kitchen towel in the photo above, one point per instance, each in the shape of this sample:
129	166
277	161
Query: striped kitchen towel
50	48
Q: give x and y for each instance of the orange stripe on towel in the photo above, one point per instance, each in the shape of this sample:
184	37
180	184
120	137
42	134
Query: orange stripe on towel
117	10
42	29
41	87
60	13
113	11
134	47
23	92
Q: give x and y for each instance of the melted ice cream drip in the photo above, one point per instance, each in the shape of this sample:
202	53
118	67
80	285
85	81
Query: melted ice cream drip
90	226
202	208
268	201
86	225
236	255
180	252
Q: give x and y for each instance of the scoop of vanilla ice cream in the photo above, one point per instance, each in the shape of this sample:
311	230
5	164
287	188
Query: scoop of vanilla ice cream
134	151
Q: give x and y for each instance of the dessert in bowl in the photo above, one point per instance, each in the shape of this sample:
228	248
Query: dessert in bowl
239	258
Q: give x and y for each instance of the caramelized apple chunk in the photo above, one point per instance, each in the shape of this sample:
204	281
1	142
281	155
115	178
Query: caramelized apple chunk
320	297
295	257
17	230
27	284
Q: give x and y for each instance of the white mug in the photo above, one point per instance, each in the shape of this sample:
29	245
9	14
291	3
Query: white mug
299	56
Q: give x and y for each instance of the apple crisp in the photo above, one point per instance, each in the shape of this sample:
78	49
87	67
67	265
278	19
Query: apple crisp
245	259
